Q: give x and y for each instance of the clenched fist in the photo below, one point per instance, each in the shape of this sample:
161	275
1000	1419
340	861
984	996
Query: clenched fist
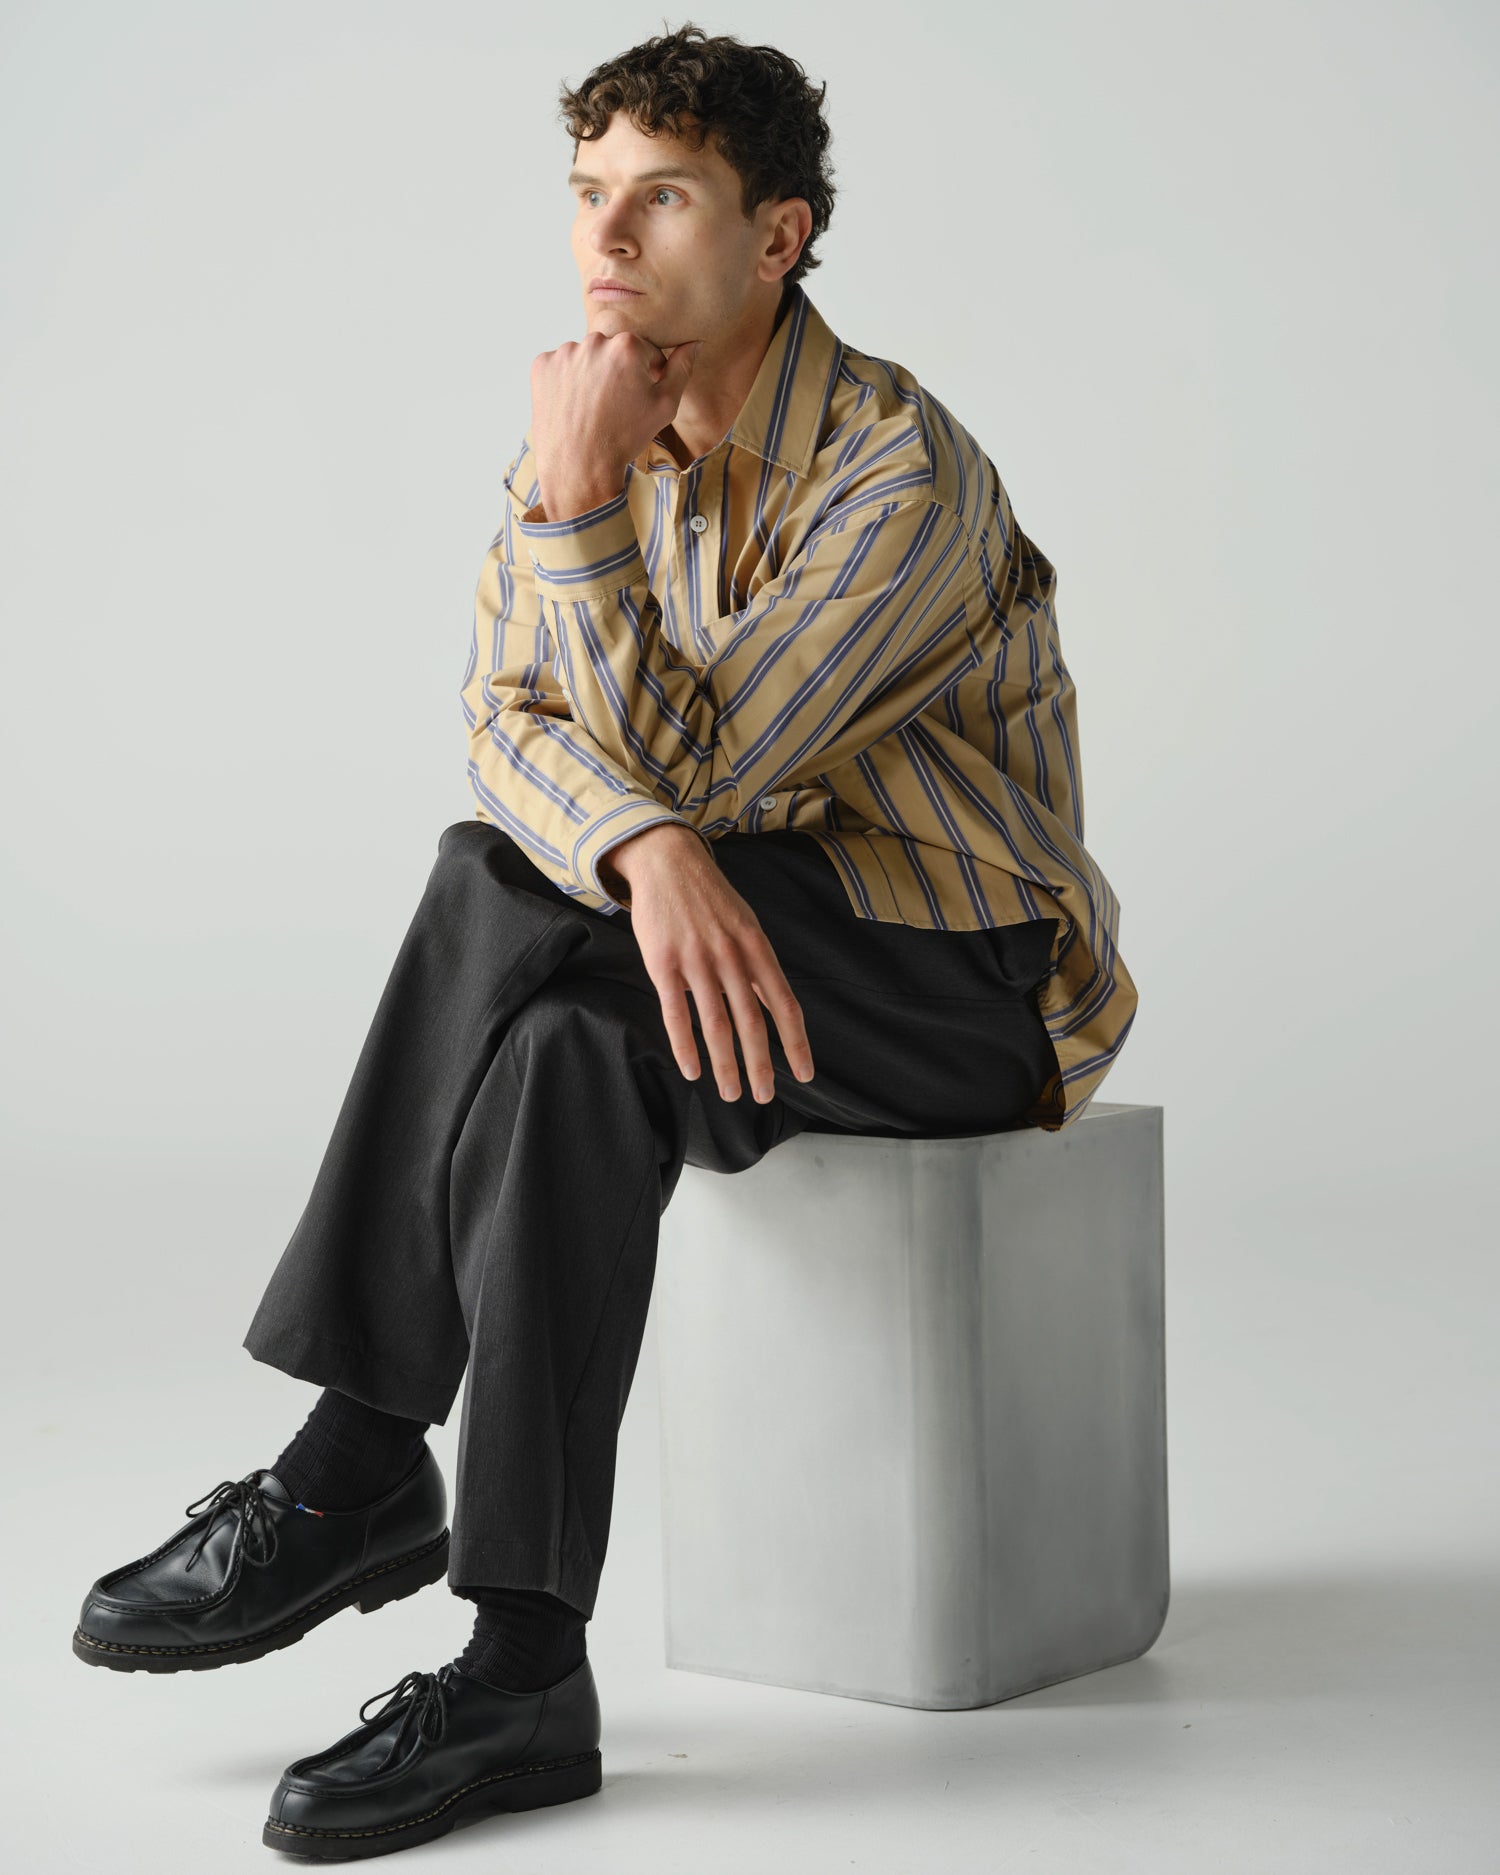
596	402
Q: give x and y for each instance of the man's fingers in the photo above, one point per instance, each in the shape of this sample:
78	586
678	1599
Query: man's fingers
738	966
678	369
718	1030
786	1012
679	1023
751	1025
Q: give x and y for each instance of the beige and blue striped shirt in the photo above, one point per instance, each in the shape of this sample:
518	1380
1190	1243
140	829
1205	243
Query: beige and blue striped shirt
829	622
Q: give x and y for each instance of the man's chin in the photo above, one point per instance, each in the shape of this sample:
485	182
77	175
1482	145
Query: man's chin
611	320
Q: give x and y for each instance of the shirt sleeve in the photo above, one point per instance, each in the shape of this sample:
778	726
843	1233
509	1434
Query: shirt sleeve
538	773
861	630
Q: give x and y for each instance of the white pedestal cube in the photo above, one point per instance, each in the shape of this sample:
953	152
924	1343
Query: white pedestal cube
913	1411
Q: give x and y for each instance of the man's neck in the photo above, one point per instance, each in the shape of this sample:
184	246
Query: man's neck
681	450
675	447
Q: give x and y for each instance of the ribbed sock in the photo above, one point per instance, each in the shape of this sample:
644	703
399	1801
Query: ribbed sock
347	1454
523	1640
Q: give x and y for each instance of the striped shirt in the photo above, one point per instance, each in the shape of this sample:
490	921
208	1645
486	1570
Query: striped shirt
830	622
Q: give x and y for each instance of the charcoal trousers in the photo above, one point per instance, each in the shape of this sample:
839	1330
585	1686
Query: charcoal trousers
489	1200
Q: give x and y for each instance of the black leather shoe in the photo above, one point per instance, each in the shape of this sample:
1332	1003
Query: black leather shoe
445	1747
252	1571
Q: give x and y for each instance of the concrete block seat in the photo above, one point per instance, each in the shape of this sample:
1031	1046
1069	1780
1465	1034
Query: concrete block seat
913	1411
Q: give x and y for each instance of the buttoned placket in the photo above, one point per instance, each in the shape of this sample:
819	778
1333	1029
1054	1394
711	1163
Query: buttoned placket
690	526
701	540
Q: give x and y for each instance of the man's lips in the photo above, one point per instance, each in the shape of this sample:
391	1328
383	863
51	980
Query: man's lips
607	287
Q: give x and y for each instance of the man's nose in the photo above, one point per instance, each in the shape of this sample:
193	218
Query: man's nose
611	229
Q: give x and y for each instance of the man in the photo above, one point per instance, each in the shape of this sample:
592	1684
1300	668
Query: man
766	711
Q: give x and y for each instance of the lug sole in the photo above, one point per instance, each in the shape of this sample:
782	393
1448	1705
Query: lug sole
393	1580
526	1787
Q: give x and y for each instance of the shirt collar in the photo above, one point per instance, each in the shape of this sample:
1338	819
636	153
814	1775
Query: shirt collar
782	418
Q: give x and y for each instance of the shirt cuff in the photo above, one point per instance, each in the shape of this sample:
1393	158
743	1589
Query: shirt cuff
593	552
630	817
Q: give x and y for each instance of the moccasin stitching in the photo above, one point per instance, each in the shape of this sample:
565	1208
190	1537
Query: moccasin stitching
260	1634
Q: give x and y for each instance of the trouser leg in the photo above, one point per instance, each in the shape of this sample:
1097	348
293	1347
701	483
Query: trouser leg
572	1147
363	1297
515	1126
490	1196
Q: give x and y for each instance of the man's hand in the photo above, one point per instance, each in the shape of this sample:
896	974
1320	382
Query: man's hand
696	933
596	403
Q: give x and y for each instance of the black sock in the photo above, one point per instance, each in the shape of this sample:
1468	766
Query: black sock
523	1639
347	1454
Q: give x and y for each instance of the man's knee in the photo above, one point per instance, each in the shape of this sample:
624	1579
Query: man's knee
471	846
466	838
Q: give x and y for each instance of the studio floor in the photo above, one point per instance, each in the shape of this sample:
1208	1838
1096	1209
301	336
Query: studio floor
1311	1705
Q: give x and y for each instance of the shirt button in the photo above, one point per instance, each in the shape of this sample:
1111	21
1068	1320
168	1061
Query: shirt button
698	523
768	800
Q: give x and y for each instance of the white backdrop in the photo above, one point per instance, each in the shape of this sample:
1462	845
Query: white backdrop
1216	289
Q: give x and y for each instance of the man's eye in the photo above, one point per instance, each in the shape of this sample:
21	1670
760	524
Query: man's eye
588	194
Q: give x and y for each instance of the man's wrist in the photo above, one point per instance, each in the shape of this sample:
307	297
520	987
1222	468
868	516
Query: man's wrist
565	501
643	849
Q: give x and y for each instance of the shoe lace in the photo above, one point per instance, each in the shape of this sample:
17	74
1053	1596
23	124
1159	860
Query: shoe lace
418	1697
244	1499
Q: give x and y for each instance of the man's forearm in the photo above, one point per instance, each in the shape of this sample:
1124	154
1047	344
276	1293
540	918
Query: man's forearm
574	489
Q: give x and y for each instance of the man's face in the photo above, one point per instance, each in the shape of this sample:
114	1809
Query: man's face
680	238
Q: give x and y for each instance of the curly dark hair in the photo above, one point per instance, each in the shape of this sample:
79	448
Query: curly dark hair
765	119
